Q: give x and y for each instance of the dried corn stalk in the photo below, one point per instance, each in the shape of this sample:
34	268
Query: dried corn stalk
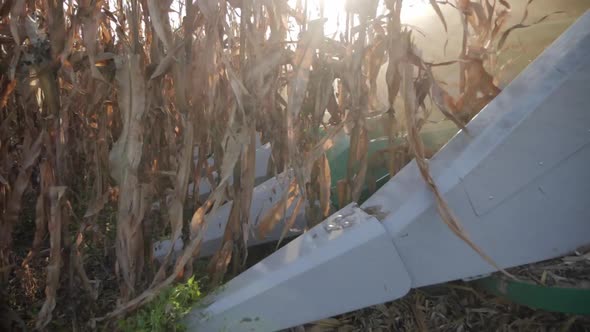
90	89
125	158
55	226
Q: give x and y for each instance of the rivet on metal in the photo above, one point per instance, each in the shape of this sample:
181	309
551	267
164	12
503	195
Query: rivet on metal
339	222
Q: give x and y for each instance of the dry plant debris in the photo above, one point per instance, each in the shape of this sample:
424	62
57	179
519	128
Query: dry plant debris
568	271
451	307
103	103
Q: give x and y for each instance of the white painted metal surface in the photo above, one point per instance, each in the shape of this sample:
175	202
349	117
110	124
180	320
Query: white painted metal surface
262	156
348	256
519	185
264	197
161	248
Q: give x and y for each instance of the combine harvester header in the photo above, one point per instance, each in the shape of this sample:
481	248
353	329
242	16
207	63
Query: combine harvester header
518	183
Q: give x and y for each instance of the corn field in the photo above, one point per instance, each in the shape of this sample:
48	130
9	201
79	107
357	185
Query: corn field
111	109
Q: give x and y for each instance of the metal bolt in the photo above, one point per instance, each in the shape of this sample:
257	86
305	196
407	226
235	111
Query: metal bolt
338	223
330	227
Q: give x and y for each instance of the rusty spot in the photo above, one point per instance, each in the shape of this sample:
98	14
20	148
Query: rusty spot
376	211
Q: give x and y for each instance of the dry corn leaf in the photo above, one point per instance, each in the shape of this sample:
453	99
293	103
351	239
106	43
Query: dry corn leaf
160	23
235	235
445	104
125	157
208	8
289	224
5	8
521	25
247	180
436	8
7	92
126	152
56	26
42	210
362	156
417	147
175	202
167	62
222	78
76	259
199	228
96	205
277	211
297	87
324	144
4	182
343	193
90	34
325	182
232	147
219	262
56	196
9	218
